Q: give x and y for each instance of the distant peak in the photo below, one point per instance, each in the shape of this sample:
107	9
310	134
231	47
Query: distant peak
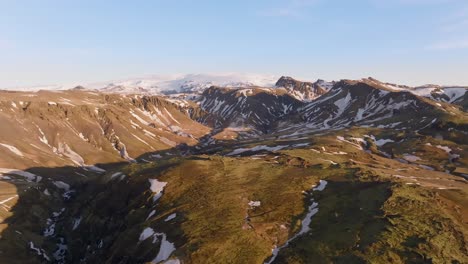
286	78
285	81
78	88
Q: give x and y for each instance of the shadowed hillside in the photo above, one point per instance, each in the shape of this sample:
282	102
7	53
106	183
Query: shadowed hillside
365	215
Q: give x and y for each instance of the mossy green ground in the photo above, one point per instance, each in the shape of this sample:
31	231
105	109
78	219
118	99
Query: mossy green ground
366	215
363	218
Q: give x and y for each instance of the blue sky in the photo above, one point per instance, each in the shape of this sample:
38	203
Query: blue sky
405	41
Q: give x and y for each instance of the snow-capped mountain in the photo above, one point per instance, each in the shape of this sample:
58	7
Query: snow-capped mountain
294	105
167	84
252	109
197	83
190	83
304	91
113	172
441	93
366	104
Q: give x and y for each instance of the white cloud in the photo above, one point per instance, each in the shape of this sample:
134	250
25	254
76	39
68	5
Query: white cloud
449	45
456	22
451	28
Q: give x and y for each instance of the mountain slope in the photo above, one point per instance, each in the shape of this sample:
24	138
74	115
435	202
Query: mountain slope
254	110
79	127
369	104
363	173
462	101
352	204
304	91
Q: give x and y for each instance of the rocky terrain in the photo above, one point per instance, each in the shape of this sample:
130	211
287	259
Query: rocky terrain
189	170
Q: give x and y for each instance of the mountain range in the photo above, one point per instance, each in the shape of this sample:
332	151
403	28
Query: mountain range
234	169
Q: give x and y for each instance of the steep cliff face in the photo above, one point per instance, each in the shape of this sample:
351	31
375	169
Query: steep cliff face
304	91
253	110
78	128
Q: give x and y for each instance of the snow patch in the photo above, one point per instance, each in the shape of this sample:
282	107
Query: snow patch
382	142
253	204
61	251
8	199
256	148
51	222
12	149
342	104
39	251
321	186
444	148
61	185
29	176
94	168
151	214
117	174
165	250
170	217
312	210
76	222
42	138
157	187
340	138
147	232
65	150
426	167
170	116
411	158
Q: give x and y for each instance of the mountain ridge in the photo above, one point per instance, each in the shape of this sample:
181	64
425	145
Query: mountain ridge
274	174
196	83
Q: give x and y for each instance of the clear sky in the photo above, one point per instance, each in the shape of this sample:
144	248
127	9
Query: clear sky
405	41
